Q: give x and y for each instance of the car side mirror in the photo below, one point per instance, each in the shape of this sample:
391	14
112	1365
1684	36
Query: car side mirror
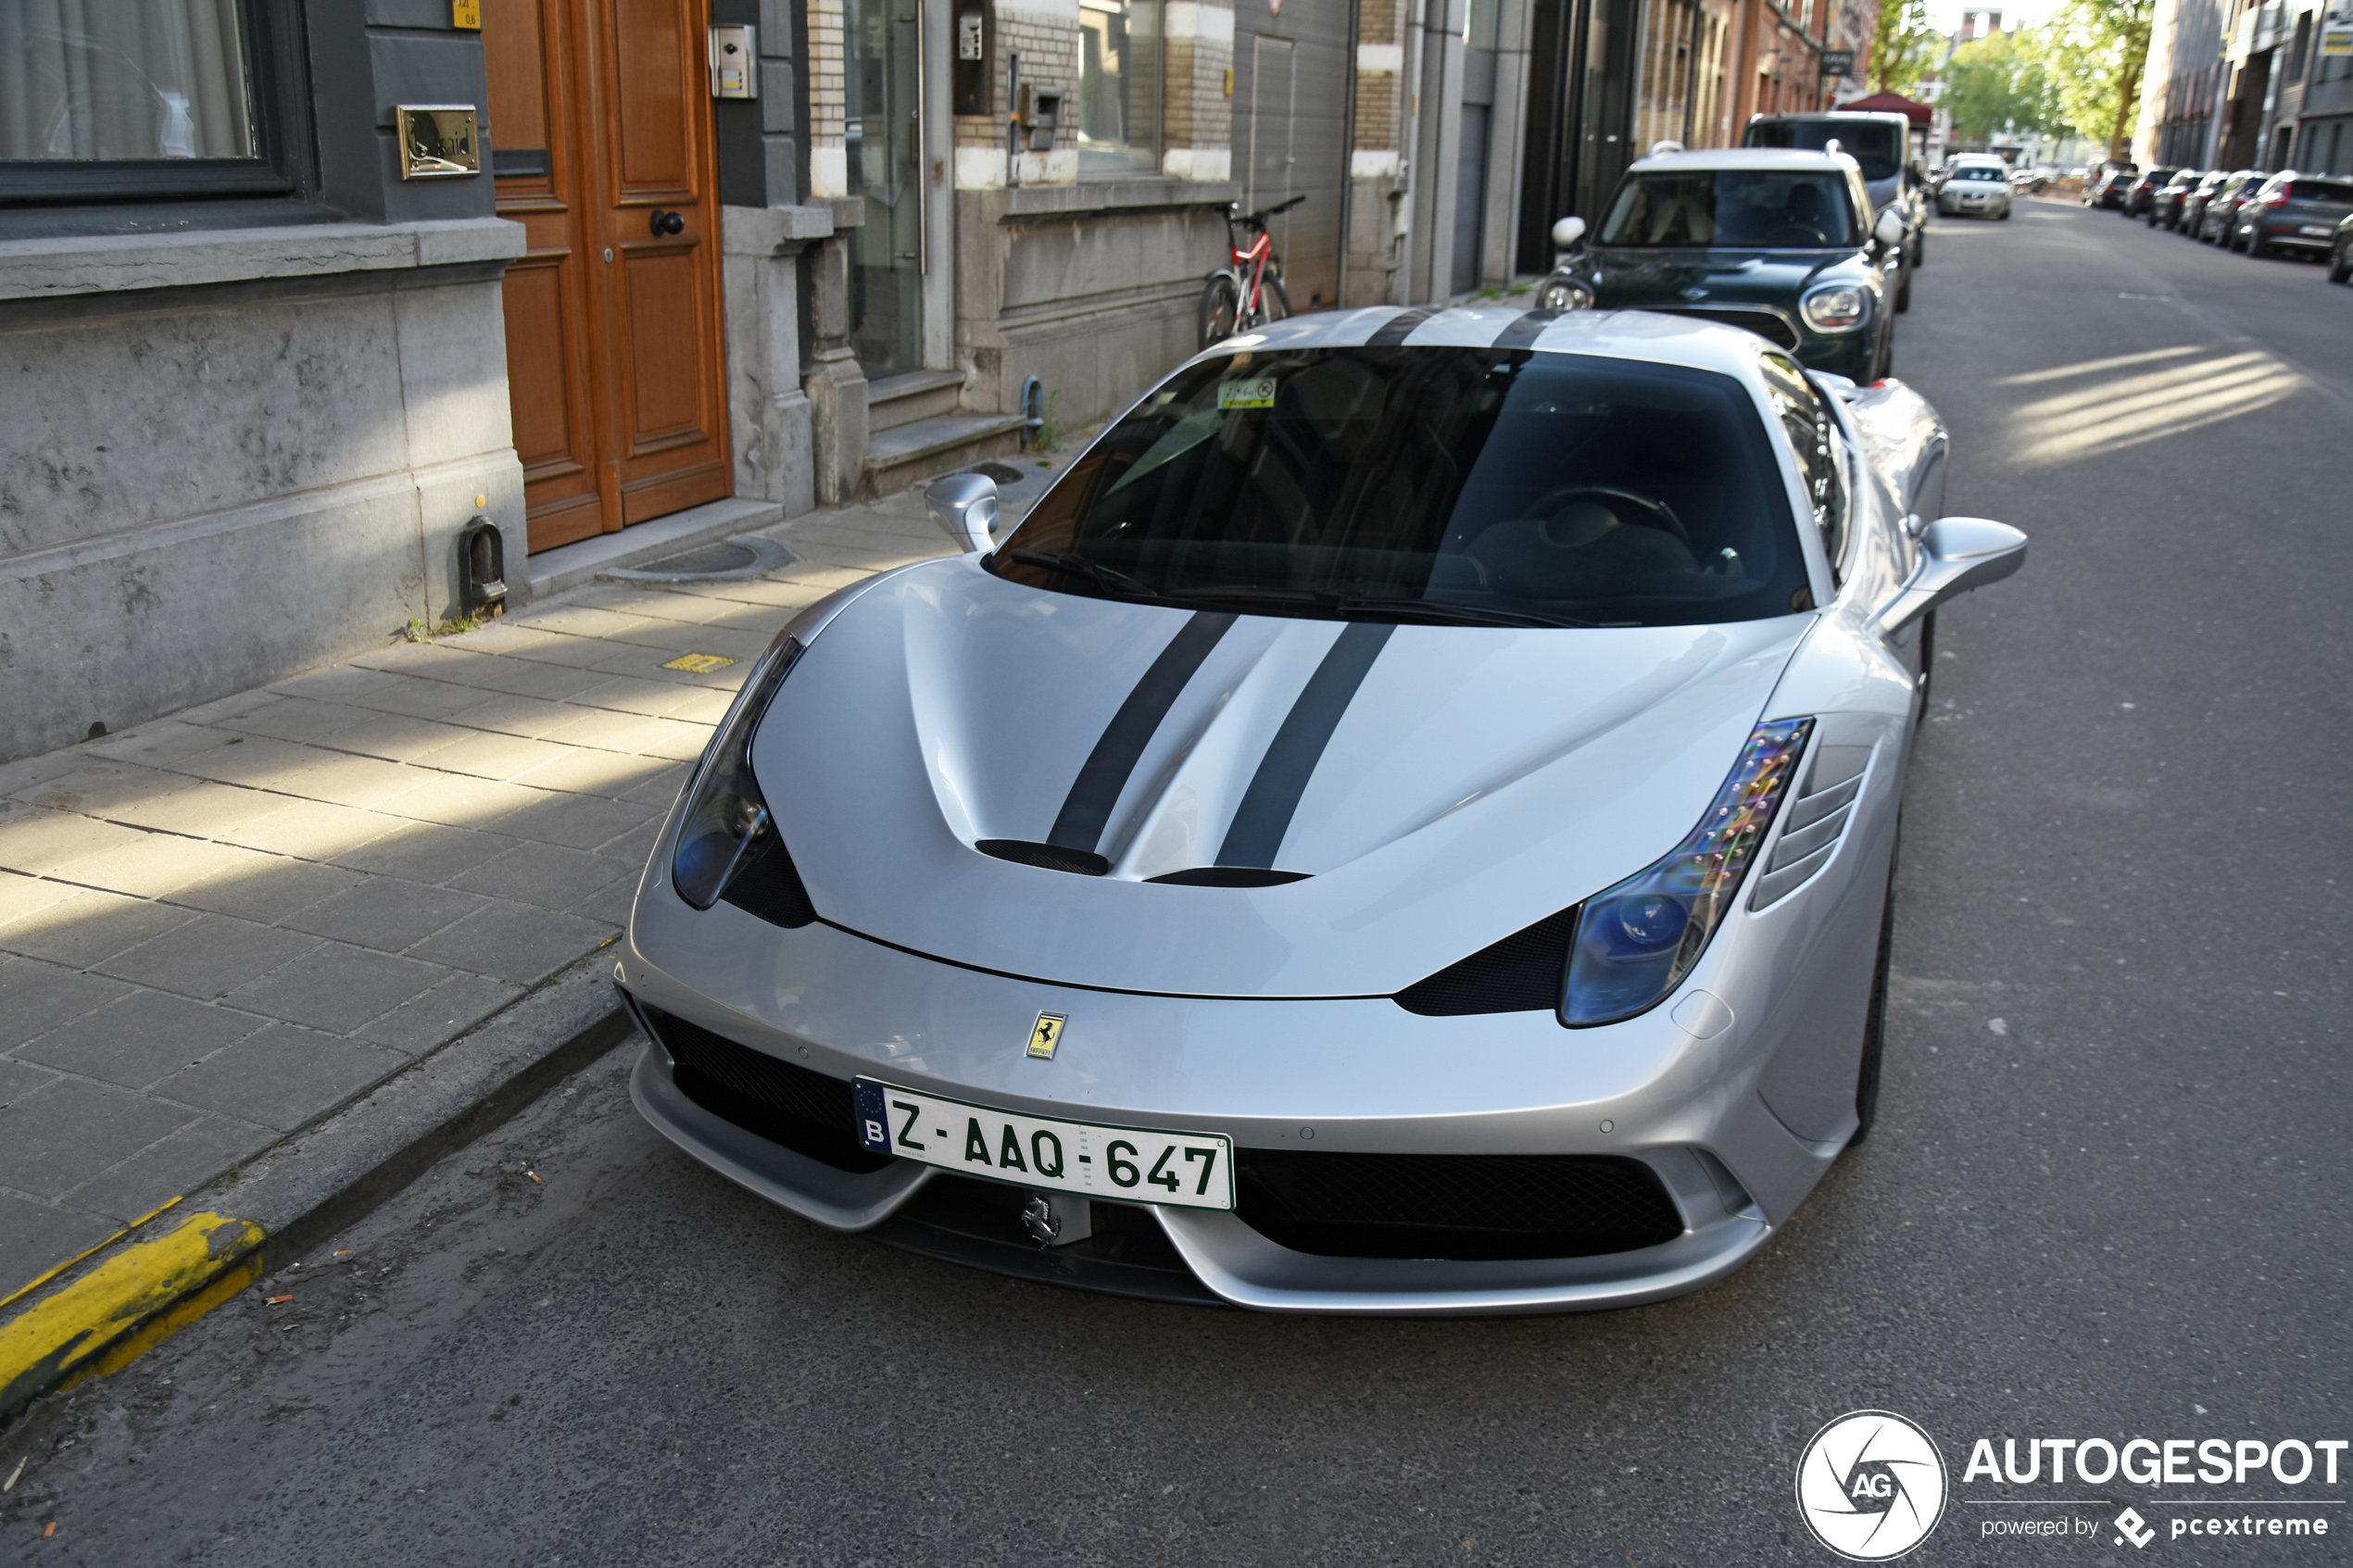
1957	554
1889	230
965	505
1567	233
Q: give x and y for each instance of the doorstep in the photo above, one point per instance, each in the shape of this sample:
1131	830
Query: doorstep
569	566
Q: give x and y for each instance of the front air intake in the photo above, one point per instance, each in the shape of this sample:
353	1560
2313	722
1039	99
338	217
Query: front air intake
1461	1207
1524	973
781	1101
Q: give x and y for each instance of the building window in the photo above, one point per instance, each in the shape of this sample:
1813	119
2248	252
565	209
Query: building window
1119	92
142	100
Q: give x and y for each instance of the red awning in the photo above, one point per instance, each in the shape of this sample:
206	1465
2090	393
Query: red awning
1894	103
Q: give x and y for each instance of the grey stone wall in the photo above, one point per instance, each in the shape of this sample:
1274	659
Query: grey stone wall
1095	289
234	455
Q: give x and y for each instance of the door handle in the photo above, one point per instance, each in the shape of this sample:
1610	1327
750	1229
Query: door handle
667	222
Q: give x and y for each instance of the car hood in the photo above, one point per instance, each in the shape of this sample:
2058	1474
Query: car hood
1630	278
1473	781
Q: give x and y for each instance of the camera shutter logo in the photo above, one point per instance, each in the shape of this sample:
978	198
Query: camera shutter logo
1872	1486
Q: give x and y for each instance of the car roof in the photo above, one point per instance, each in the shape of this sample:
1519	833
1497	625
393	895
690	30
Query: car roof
1832	114
1779	159
1656	337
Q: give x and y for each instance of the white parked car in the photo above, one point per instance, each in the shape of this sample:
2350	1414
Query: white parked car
1979	186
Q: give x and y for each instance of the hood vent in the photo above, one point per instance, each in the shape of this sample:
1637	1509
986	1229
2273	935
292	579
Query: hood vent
1045	857
1228	877
1816	823
1524	973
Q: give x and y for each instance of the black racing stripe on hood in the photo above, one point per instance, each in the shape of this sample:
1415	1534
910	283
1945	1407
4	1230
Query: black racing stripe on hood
1265	815
1400	327
1087	810
1524	329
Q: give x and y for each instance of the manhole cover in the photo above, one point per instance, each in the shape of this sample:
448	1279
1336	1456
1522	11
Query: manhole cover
997	473
723	556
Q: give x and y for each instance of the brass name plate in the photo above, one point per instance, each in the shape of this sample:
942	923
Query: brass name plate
438	141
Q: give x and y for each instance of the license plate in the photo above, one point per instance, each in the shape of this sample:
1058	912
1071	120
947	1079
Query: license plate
2320	229
1137	1164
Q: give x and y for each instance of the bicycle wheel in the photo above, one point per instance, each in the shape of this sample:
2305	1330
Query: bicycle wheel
1219	300
1273	302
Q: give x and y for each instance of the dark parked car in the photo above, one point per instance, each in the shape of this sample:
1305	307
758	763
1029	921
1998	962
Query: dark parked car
2107	187
2220	219
2296	214
2193	211
1782	243
2340	254
2164	208
2145	186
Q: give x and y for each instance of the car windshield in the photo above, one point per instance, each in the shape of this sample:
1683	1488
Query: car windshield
1760	208
1977	171
1876	145
1467	486
2318	190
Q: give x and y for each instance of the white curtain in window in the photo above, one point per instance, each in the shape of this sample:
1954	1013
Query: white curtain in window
110	80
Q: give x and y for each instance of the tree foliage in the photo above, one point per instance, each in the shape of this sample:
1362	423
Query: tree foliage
2094	52
1999	82
1905	49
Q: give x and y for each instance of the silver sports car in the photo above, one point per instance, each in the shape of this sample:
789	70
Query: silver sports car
1405	826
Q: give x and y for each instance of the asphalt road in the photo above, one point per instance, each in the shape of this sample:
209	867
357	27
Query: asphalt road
2107	1196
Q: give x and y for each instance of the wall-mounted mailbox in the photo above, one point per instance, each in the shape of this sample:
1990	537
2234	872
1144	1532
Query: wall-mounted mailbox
732	75
437	141
968	76
1042	111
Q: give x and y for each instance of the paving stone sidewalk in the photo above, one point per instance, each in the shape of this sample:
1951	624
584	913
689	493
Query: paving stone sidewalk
216	927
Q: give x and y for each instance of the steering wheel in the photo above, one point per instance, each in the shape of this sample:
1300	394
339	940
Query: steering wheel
1650	513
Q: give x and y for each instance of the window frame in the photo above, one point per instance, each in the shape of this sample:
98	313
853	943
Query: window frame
277	79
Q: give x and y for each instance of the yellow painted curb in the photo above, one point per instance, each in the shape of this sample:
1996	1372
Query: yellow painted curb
128	1303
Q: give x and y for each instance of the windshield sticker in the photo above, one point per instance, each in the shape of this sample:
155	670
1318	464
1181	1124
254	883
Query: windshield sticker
1256	392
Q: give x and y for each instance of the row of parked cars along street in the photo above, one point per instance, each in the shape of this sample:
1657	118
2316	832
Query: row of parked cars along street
2244	209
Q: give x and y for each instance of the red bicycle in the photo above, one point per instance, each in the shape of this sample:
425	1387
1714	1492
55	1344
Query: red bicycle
1250	293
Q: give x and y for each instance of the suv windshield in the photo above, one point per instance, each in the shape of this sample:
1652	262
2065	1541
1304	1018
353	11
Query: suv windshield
1978	171
1762	209
1477	486
1876	146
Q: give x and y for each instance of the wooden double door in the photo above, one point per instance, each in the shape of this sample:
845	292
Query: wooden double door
600	131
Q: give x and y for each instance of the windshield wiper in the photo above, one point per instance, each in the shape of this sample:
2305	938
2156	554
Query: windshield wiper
1441	611
1078	565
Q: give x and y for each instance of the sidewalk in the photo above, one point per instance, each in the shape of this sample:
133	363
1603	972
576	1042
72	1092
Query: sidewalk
218	927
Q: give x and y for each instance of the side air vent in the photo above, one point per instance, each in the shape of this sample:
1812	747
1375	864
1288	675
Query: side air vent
1815	821
1521	974
771	887
1045	857
1228	877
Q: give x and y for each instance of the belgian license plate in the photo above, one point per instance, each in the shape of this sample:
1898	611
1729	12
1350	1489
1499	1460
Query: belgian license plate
2320	229
1137	1164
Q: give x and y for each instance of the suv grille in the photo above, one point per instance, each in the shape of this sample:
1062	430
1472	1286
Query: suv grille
1458	1207
787	1104
1764	322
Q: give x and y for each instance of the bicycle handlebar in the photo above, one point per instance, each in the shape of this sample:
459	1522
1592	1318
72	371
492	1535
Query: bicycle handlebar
1258	220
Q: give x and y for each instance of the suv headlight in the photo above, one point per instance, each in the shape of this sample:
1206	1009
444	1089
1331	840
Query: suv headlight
1841	307
726	816
1636	941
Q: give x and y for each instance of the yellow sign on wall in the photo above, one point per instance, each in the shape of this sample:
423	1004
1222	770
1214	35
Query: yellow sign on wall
466	14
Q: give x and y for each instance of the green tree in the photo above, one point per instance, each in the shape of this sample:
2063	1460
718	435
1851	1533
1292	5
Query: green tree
1999	80
2094	51
1905	49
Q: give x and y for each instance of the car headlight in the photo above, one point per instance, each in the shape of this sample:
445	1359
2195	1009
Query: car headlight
726	816
1636	941
1559	293
1841	307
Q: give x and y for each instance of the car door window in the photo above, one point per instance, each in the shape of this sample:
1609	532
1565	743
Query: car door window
1812	432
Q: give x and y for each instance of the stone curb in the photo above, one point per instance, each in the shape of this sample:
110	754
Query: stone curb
317	1182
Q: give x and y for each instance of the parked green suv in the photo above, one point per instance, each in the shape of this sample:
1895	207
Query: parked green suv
1781	241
